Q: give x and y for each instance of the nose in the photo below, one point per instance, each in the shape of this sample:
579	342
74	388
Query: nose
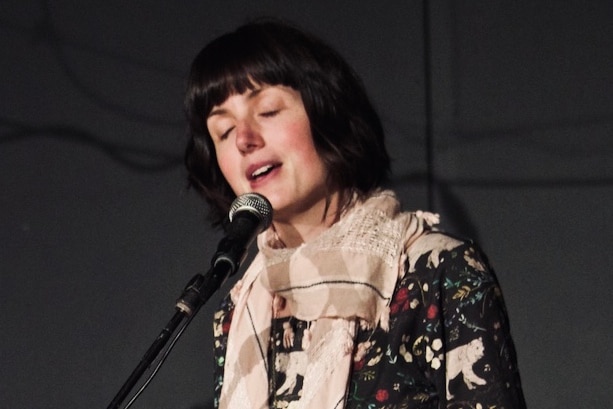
248	137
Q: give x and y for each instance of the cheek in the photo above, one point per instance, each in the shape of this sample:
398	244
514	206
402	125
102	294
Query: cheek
303	144
309	156
228	166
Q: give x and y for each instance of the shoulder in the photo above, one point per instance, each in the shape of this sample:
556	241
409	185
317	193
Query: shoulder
433	246
449	261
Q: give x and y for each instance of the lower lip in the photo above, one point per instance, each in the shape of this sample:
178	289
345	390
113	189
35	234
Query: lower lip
259	182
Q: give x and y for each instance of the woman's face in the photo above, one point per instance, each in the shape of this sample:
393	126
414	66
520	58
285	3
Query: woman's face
264	144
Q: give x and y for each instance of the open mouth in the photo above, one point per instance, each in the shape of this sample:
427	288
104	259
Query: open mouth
262	171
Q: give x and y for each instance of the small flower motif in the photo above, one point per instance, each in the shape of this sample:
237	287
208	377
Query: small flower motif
403	294
382	395
406	354
432	311
462	293
226	327
367	375
431	357
436	363
399	301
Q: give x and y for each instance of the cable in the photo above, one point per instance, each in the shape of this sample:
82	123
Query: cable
161	361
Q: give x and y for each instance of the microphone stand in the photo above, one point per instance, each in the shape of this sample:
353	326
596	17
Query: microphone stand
197	292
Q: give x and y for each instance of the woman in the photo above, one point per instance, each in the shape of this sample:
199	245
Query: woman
350	302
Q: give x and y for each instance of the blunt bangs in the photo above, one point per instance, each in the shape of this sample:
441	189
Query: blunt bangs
235	63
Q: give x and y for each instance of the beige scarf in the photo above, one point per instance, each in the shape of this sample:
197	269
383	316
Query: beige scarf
343	278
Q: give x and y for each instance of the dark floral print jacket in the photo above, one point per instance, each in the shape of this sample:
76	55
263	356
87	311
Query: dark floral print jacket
448	344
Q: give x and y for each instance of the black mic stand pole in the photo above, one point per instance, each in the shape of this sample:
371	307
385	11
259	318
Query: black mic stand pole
197	292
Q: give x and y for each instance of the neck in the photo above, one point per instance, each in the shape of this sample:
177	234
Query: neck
307	225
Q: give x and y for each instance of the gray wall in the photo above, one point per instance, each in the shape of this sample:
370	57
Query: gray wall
99	234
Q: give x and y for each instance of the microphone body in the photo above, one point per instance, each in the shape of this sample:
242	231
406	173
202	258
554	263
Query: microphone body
250	214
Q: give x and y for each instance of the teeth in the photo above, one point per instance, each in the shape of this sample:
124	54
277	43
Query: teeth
261	171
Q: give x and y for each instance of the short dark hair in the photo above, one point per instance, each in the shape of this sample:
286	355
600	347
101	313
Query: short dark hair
347	131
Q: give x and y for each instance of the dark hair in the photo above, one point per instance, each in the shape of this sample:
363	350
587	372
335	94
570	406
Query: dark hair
347	132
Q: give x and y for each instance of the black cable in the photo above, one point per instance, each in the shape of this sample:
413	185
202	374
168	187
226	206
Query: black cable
160	362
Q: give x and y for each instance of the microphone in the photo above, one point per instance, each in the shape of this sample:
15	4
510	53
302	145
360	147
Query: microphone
250	214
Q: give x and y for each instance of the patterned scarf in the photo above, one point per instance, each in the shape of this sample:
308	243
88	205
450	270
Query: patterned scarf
343	278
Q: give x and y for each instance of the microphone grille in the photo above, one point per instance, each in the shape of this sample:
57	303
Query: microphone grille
254	203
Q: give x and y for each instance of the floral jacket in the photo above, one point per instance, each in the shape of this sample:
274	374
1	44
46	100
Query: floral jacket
448	344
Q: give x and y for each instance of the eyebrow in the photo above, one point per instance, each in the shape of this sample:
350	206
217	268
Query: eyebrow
250	95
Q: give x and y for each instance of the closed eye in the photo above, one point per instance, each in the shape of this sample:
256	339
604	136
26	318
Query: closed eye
225	134
268	114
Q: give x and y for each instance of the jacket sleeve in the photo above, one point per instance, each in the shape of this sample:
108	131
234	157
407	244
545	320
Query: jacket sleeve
479	364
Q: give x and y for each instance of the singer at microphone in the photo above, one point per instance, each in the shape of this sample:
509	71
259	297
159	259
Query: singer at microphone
350	301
